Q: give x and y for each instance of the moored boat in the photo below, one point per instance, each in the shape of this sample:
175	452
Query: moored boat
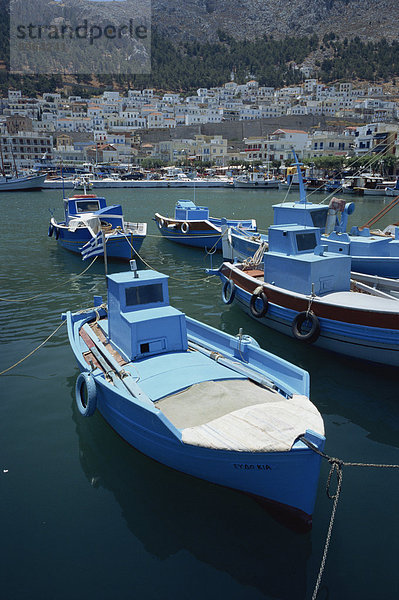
203	402
255	180
372	252
192	226
305	291
86	215
21	183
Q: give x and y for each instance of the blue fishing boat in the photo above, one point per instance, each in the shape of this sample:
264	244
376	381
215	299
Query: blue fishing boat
203	402
86	215
307	292
192	226
371	252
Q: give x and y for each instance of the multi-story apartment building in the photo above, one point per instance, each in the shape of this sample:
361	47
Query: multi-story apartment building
330	143
23	149
202	147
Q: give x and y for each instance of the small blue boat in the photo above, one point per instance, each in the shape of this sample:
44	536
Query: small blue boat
86	215
300	288
192	226
371	252
203	402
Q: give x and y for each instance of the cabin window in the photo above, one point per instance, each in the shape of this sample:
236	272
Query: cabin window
145	294
87	206
319	217
305	241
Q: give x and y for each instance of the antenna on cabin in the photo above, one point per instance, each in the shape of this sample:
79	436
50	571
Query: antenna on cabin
133	267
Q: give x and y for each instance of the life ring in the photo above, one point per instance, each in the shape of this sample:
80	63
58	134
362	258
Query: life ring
86	394
259	294
184	227
228	291
50	230
57	232
312	332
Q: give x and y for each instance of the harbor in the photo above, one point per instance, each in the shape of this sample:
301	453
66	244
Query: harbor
94	517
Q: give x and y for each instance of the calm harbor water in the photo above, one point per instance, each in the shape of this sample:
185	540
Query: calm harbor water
83	515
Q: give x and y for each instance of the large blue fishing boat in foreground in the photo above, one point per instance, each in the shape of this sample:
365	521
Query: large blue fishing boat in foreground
206	403
193	226
86	215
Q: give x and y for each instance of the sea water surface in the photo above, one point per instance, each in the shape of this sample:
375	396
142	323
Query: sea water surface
85	516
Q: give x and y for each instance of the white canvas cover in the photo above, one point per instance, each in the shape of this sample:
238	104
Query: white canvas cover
240	415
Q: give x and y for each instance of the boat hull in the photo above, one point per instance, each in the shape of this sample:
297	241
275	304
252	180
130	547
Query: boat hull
205	234
199	234
342	331
381	266
118	246
287	478
22	184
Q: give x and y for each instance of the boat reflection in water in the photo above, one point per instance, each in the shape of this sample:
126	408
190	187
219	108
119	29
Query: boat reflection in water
170	512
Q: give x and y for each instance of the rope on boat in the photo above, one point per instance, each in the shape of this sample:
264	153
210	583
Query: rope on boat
207	279
52	288
256	259
336	467
33	351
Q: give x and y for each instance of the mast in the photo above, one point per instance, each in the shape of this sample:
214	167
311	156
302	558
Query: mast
2	159
13	158
302	192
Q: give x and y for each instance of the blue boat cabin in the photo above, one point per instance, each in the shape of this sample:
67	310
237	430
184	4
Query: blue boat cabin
140	320
79	205
186	210
313	215
298	262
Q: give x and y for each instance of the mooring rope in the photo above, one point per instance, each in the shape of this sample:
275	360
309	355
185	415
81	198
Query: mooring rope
336	467
33	351
51	288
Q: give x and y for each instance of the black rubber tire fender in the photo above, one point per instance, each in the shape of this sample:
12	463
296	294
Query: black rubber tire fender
312	334
259	294
86	394
228	291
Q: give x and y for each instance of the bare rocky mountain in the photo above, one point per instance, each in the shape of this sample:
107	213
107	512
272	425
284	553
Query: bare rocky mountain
200	19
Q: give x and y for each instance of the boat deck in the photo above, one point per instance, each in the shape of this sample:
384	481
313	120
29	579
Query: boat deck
214	406
240	416
359	300
348	299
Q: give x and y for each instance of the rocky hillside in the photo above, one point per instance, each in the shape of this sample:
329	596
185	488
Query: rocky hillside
200	19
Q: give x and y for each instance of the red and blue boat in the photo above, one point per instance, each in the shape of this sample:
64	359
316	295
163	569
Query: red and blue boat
192	226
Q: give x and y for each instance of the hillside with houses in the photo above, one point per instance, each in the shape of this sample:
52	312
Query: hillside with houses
219	126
